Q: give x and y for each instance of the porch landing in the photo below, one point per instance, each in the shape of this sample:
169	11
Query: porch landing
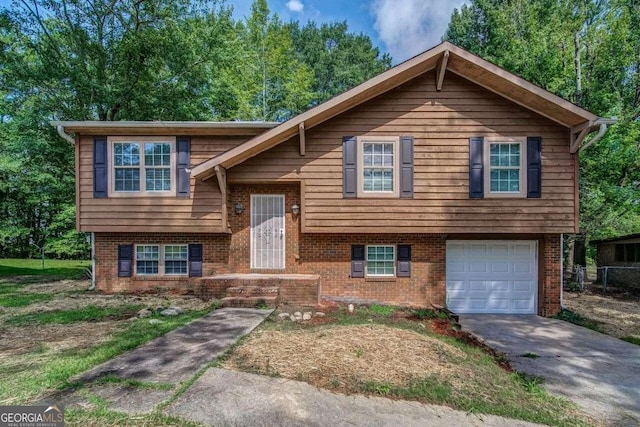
251	289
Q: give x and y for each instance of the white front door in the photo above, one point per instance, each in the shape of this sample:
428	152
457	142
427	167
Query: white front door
496	276
267	231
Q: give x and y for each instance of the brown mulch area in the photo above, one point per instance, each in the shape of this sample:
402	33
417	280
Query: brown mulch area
336	355
618	312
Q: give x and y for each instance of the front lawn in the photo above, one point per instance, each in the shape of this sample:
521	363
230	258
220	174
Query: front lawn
399	354
61	269
53	330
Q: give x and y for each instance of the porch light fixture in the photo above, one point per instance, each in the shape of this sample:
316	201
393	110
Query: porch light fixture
239	207
295	210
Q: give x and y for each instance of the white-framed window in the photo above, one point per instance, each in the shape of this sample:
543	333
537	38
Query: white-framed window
380	261
142	166
379	166
147	259
156	260
175	259
505	161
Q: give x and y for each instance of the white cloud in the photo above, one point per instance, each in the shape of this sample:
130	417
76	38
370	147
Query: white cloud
409	27
295	6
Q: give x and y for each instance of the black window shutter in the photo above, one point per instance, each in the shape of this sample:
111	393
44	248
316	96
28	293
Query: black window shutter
406	167
125	258
403	268
195	260
100	171
534	167
183	175
476	172
357	260
349	167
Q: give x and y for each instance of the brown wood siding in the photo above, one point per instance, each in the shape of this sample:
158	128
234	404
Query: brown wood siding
200	213
441	124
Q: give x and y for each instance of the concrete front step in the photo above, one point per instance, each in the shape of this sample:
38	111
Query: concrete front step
270	301
252	291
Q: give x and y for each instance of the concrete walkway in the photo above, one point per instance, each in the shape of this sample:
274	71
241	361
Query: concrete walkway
178	355
227	398
600	373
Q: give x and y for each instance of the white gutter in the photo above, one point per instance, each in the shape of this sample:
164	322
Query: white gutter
93	263
65	135
603	129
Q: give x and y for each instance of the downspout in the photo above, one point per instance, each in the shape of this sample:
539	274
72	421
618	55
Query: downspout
65	135
93	263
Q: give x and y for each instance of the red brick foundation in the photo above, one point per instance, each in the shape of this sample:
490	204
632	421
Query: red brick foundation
327	255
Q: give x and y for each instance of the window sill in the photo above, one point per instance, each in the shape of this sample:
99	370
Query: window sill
142	194
363	195
380	279
152	278
504	195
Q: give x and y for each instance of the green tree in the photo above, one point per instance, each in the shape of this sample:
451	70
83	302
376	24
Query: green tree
339	59
271	83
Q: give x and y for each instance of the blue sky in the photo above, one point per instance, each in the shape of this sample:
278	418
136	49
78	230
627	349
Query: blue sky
402	28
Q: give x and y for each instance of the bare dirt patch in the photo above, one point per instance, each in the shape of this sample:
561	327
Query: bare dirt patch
618	312
55	338
328	356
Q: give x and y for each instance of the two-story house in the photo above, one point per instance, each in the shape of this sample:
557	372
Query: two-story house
444	180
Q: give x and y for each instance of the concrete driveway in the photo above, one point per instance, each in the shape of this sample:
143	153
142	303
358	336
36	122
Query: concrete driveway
598	372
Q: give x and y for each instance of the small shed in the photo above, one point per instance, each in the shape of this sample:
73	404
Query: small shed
621	258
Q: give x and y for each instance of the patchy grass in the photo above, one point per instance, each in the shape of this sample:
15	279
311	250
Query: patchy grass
632	340
381	310
576	319
43	350
22	299
373	352
63	269
90	313
144	385
103	417
44	373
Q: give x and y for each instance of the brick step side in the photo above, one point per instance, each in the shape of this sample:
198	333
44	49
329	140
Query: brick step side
250	302
252	291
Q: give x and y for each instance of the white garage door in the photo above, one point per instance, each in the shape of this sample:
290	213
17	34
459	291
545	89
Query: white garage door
496	276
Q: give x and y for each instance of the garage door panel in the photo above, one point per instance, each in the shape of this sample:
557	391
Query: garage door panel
501	304
499	250
522	267
455	304
479	304
478	267
499	267
523	250
500	286
523	286
523	305
477	285
492	276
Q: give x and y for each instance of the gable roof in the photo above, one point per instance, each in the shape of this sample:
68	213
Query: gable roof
459	61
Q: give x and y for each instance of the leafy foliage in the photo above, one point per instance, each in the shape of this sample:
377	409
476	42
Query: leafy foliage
140	60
